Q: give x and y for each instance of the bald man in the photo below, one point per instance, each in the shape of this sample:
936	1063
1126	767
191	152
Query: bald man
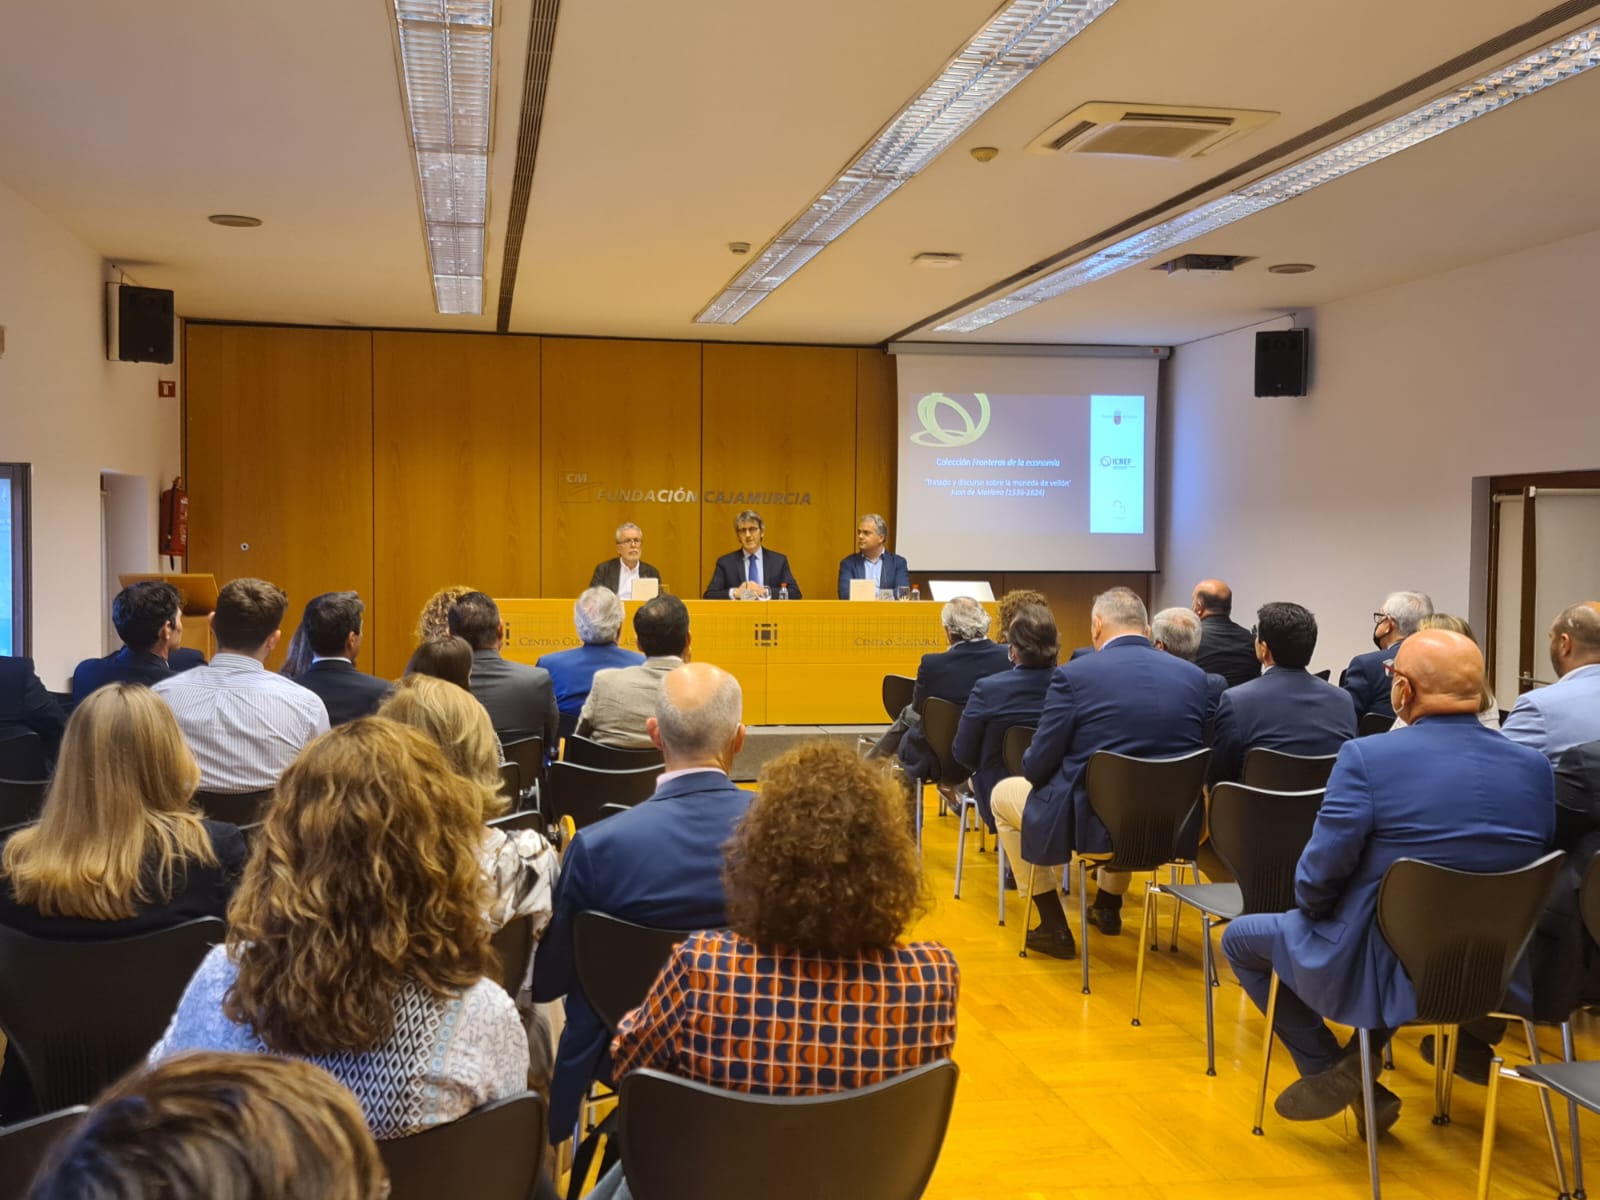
1567	713
1444	789
1226	649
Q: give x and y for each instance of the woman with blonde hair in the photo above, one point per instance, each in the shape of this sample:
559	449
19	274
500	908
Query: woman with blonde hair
357	939
433	622
1488	711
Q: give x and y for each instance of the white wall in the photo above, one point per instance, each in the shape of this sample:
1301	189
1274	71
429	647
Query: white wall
72	414
1364	486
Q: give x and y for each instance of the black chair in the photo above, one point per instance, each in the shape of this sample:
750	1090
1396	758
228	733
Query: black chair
1275	771
581	792
250	833
513	946
527	752
940	720
612	810
493	1153
25	1145
79	1014
1259	834
22	757
511	822
511	784
21	801
236	808
683	1140
1144	803
1371	723
587	753
897	693
1014	744
1458	935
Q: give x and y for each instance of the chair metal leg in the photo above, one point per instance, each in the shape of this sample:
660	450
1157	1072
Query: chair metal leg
1368	1099
1266	1053
1027	903
1083	919
1486	1153
1148	918
1578	1192
1549	1112
1445	1073
916	810
1208	973
961	849
1000	876
1175	874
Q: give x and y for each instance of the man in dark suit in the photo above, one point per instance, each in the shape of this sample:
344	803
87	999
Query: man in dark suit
659	863
26	706
871	560
1129	698
332	625
620	573
1176	631
519	698
1287	709
1226	649
752	571
149	619
1364	678
597	615
1446	790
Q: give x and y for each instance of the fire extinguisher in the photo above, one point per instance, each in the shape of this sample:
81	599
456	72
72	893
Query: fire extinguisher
174	539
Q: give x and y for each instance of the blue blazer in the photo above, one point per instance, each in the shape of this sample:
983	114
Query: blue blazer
1445	790
729	573
1130	698
950	675
1554	719
1367	684
26	706
345	692
997	702
131	666
1286	709
658	864
572	671
895	573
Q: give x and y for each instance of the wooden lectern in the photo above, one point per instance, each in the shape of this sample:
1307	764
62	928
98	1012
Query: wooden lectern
197	598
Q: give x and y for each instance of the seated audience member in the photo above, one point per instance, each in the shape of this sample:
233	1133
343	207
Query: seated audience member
1488	712
659	863
619	574
871	560
1287	709
1555	718
1013	602
357	941
1225	648
1128	698
1177	631
622	700
1390	797
1007	698
26	706
330	630
209	1126
433	622
1365	677
520	866
243	724
822	880
520	698
447	658
752	571
149	619
597	615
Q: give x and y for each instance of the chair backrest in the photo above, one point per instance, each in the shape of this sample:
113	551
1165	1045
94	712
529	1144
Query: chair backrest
1014	744
588	753
1275	771
611	810
683	1140
528	754
22	757
617	961
940	719
897	693
21	800
1371	723
25	1145
236	808
79	1014
1589	898
514	821
581	792
513	945
493	1153
1144	803
1458	934
1260	835
511	784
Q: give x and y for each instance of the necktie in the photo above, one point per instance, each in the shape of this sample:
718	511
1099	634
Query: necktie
755	568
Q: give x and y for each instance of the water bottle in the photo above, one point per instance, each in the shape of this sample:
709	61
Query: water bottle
916	592
783	591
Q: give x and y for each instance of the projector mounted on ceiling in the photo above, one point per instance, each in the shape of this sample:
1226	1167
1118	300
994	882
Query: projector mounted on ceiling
1146	130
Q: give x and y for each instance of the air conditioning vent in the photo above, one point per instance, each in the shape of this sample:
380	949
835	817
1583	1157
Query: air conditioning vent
1203	262
1146	130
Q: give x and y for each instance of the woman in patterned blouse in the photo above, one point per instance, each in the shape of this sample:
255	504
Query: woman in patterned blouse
357	940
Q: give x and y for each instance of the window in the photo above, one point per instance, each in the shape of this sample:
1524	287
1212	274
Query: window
14	627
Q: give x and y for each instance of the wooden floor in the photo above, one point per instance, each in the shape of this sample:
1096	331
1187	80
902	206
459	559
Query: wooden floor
1061	1097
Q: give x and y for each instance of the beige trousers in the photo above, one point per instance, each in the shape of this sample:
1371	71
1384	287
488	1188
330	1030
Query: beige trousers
1007	801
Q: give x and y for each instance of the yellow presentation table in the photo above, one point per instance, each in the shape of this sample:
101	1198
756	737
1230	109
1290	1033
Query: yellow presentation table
800	662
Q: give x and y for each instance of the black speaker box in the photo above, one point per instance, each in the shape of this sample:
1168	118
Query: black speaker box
1282	361
138	324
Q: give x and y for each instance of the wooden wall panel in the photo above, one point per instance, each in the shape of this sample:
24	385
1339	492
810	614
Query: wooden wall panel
620	417
1071	596
877	436
278	453
781	419
456	426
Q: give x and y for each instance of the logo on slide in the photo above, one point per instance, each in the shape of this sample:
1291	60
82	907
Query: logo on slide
933	431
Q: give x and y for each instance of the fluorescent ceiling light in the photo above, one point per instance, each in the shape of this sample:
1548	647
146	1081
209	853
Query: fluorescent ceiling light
446	64
1545	67
1013	44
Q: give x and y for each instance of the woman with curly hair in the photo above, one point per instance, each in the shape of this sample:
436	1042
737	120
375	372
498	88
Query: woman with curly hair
433	622
357	939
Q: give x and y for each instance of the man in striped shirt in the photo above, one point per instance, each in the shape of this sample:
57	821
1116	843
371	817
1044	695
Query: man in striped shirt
244	724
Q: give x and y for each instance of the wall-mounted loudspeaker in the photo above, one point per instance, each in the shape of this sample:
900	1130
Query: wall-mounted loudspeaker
138	324
1282	359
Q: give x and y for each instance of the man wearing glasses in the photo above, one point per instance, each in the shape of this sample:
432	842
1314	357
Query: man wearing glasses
622	572
752	572
1364	678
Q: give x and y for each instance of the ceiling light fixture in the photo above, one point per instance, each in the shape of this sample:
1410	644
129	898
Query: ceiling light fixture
446	64
1010	46
1549	65
234	220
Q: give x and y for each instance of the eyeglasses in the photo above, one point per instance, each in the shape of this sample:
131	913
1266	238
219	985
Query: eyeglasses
1254	636
630	541
1388	669
1381	616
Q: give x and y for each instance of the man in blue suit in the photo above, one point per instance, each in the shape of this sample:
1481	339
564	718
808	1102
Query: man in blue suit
26	706
1445	790
752	571
1365	677
1567	713
149	619
597	615
658	864
1179	631
871	561
1128	698
1287	709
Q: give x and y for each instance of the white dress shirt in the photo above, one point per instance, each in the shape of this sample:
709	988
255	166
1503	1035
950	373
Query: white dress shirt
626	576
